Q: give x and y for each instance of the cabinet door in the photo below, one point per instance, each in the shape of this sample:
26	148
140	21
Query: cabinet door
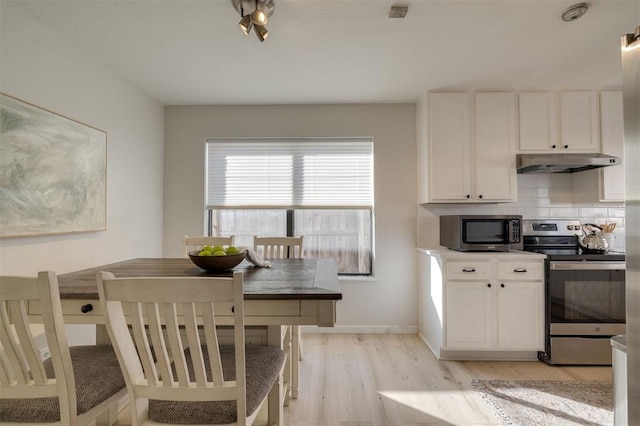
538	118
448	151
495	147
520	315
470	315
580	126
612	139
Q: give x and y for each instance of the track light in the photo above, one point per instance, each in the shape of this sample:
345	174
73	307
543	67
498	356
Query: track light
259	17
246	24
261	32
254	14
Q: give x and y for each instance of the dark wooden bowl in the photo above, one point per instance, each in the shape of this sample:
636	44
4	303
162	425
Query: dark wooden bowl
217	263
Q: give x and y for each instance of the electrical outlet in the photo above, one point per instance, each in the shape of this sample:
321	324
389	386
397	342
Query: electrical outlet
44	354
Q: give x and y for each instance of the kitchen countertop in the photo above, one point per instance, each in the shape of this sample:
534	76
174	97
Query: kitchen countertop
619	343
448	253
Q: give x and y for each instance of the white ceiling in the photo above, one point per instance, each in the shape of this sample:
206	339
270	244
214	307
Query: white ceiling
191	52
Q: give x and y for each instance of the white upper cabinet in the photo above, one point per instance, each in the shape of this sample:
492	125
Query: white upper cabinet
559	122
579	121
495	147
471	148
539	123
449	146
612	137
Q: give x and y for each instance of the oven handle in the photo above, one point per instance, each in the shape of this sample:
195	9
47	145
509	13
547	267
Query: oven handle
590	266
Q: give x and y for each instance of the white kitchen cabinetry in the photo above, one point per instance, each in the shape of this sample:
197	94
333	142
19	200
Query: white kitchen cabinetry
471	148
612	137
520	305
557	122
468	295
489	304
495	147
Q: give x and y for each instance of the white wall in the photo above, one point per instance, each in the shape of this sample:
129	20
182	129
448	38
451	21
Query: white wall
386	302
42	68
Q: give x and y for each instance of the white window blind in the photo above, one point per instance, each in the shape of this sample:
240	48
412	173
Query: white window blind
294	173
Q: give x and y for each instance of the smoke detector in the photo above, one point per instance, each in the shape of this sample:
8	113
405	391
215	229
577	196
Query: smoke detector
575	12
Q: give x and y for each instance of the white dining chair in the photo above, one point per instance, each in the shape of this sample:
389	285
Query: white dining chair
279	247
190	243
77	385
178	373
285	248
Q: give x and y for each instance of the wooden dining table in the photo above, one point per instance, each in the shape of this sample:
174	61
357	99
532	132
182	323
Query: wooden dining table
290	292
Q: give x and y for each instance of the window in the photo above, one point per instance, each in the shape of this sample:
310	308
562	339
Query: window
319	188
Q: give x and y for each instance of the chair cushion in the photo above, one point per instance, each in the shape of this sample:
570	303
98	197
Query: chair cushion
98	377
263	365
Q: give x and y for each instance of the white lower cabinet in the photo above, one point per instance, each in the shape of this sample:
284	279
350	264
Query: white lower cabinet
471	311
489	303
520	315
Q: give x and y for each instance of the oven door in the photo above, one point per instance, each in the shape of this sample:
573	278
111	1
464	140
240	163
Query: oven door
586	298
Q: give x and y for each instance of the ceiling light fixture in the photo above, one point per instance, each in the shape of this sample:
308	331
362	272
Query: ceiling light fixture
574	12
246	24
254	14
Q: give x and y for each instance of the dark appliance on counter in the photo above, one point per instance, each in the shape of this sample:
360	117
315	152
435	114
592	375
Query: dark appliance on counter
584	294
481	232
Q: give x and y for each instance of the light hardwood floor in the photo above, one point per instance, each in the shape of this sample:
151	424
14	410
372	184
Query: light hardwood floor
393	379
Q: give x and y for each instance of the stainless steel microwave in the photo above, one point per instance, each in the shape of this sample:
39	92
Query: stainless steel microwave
481	232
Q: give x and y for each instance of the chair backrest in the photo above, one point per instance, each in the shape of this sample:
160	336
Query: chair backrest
278	247
196	243
152	356
22	370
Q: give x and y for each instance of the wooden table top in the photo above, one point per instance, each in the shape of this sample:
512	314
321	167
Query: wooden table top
312	279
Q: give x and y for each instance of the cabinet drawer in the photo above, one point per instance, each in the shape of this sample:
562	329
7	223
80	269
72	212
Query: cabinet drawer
520	270
92	308
473	270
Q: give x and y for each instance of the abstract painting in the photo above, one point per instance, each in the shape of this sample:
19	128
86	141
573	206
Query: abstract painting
52	172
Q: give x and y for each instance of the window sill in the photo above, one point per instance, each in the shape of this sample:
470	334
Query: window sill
357	279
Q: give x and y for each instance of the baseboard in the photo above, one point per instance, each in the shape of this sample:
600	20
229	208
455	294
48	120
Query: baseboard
360	329
435	352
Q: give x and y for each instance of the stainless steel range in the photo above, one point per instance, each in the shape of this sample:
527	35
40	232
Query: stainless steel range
584	294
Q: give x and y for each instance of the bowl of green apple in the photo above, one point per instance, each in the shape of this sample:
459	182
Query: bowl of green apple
218	258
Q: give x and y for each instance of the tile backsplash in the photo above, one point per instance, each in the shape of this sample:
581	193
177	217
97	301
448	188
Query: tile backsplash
540	196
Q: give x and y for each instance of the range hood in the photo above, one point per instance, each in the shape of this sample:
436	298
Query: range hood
564	163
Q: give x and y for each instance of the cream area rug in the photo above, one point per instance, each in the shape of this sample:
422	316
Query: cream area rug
548	402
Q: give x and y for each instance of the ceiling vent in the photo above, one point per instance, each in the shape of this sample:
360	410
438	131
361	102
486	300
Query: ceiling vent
398	11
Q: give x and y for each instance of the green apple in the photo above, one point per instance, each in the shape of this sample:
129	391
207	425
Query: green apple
217	248
232	250
219	253
205	253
